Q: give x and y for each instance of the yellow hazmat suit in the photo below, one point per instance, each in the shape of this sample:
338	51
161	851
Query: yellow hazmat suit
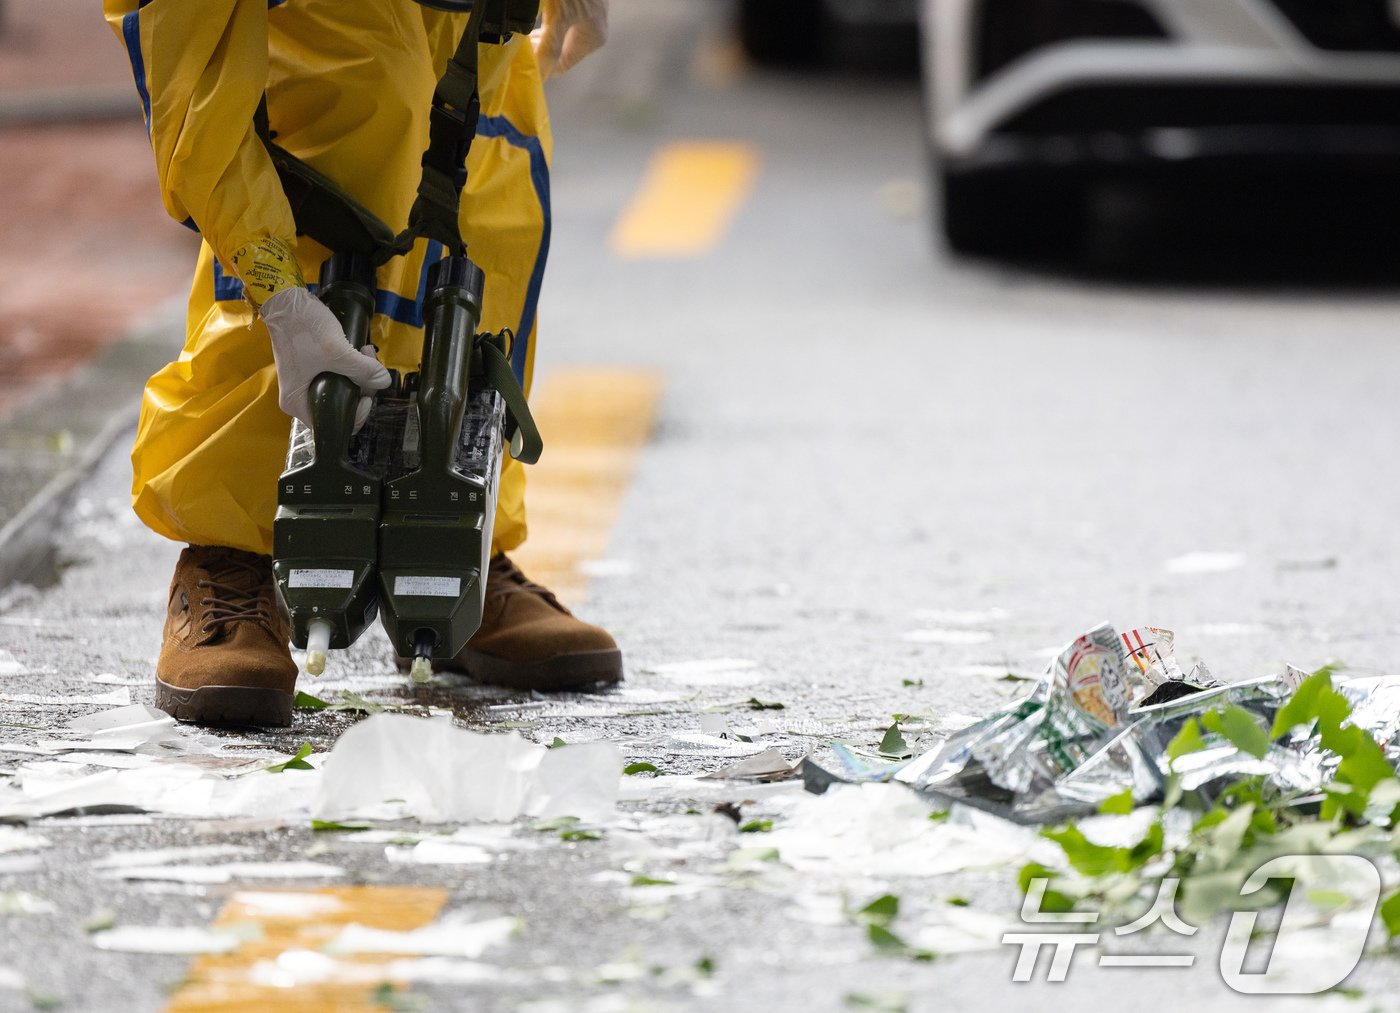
348	86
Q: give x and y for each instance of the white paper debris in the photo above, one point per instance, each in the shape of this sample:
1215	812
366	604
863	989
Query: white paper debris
714	724
11	980
227	873
884	830
133	721
961	930
166	856
300	968
445	774
18	902
112	679
15	839
116	698
172	788
173	939
769	765
438	852
9	665
1205	562
451	937
101	758
287	903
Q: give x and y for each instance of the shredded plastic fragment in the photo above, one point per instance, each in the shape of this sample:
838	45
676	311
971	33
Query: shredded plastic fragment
1099	723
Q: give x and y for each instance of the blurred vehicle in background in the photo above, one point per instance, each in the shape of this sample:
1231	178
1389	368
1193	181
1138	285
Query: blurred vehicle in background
1030	102
804	32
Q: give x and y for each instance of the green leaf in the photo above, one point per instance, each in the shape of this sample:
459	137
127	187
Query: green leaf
882	910
912	683
1390	913
755	704
883	939
1118	805
649	881
556	743
297	762
959	902
1053	901
322	826
1188	740
706	966
580	835
878	1002
893	743
1239	728
1363	765
1314	701
100	920
1013	677
641	768
353	703
939	815
756	827
1092	859
307	702
888	943
42	1000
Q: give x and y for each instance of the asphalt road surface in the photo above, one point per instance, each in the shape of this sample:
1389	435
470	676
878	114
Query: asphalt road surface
878	479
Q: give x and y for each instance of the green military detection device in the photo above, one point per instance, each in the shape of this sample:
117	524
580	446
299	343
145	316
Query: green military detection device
397	517
435	531
327	524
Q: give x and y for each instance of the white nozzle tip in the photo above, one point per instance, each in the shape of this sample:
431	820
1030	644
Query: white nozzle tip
318	641
422	670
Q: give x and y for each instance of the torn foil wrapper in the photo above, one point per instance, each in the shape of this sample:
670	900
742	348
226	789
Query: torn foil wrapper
1099	723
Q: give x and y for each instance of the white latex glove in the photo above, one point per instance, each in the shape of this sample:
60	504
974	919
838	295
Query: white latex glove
569	30
307	340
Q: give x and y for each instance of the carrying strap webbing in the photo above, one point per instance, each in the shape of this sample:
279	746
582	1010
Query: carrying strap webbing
521	430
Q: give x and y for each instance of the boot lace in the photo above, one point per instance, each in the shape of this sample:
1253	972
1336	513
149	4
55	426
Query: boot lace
236	596
504	578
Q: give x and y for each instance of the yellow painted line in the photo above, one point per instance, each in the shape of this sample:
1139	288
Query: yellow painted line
594	423
690	194
294	925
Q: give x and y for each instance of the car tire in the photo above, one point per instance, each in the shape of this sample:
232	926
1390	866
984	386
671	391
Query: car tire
1010	215
787	33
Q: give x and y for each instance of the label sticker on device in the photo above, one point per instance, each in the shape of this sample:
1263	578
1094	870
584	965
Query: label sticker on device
321	578
429	587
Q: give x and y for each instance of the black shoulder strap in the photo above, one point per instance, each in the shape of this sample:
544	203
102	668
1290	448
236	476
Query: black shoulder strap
451	129
333	218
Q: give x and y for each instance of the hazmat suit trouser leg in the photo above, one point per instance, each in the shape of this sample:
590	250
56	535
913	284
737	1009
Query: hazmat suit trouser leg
212	439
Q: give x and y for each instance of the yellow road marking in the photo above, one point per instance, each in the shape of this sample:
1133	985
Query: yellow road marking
293	921
691	193
594	423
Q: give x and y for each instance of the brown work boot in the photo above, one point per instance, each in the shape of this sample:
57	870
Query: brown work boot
527	640
225	659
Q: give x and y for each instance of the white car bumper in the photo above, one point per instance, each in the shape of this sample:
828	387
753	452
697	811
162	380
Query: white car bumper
1237	44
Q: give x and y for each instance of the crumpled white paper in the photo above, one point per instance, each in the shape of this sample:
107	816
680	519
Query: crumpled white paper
395	764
